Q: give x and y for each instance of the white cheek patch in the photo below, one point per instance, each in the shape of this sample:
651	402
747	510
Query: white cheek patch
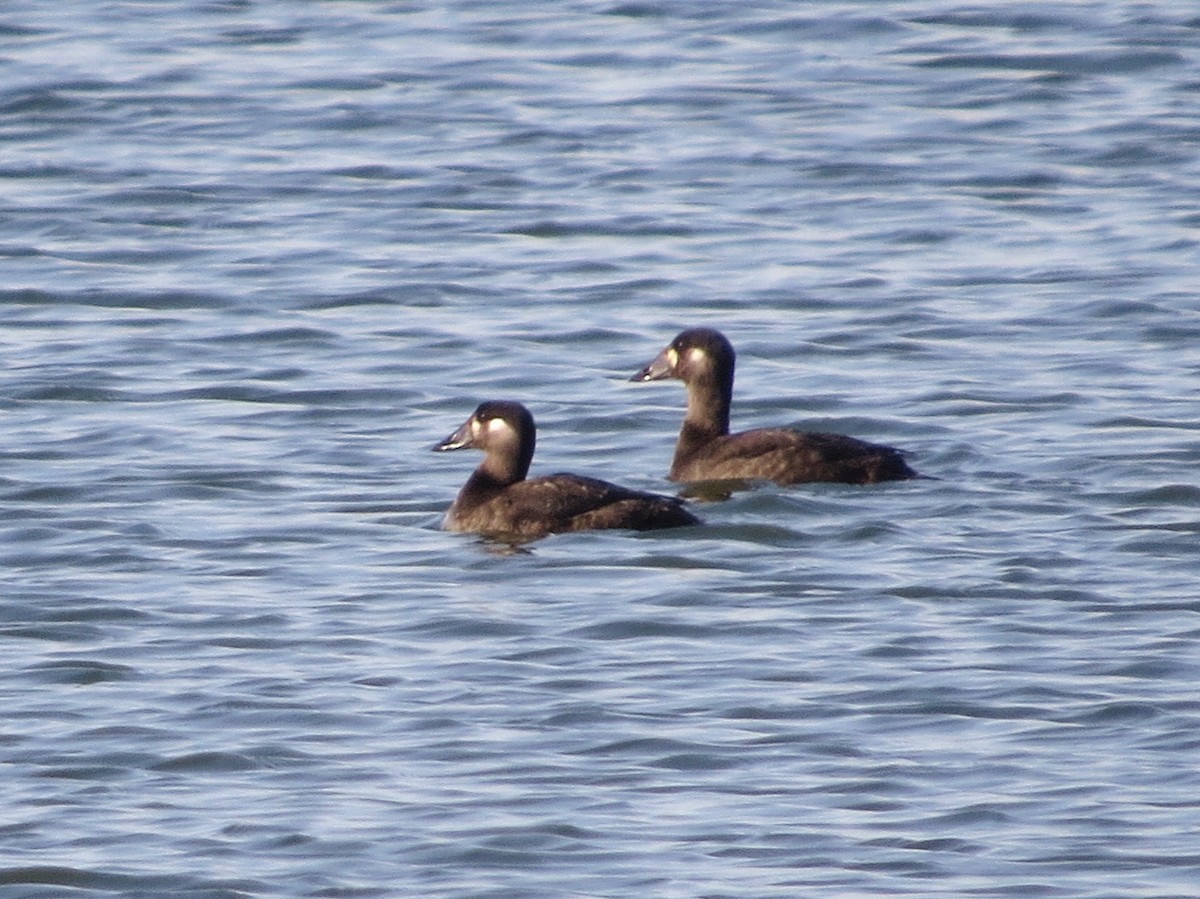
673	356
497	427
695	354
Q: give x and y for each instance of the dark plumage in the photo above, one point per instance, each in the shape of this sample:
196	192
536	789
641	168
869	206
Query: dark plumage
497	500
703	359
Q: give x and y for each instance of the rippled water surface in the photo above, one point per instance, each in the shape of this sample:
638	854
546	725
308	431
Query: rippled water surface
259	256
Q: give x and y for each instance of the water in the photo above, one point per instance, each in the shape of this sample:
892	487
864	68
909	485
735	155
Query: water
260	256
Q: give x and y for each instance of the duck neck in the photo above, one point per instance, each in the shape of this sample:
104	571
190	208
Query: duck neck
707	419
709	397
499	470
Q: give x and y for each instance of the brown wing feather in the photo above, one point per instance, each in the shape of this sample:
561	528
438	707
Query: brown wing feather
566	502
792	457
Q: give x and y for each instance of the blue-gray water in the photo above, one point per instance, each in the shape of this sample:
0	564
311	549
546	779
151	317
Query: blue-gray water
259	256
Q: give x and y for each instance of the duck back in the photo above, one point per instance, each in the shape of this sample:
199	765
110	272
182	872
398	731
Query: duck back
561	503
789	457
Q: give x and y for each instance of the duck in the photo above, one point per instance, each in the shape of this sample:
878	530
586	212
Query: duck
703	358
498	500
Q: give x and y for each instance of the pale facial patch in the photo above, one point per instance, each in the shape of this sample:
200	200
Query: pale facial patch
673	356
695	354
498	427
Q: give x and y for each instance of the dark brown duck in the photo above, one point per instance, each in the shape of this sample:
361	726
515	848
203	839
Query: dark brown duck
703	359
497	500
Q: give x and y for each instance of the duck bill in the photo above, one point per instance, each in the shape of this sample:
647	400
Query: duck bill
657	370
460	439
